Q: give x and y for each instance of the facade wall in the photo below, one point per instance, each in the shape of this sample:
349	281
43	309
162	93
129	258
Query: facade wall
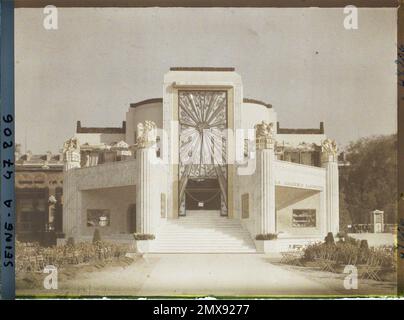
294	140
175	80
247	184
116	200
292	176
301	176
252	113
284	216
106	175
75	181
99	138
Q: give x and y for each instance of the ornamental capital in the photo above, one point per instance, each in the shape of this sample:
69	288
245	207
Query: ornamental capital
146	134
264	135
329	150
71	152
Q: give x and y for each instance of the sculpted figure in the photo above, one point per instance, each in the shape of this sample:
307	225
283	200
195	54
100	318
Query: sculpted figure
71	145
264	133
146	134
71	153
329	147
264	129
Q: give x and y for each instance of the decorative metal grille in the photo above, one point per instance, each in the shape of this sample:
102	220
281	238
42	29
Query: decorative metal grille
202	120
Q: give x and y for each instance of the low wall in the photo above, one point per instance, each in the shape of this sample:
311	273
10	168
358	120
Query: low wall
375	239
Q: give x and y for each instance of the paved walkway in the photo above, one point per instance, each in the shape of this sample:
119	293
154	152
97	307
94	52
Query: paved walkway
209	274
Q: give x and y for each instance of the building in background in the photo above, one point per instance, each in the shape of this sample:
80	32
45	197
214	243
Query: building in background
39	184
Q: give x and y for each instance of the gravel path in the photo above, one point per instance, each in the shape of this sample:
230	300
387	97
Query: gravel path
213	275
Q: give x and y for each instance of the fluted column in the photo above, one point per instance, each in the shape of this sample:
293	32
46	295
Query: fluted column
144	190
71	205
265	158
147	195
266	180
330	164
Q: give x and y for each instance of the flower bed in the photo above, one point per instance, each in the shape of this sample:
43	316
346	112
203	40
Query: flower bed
32	257
351	252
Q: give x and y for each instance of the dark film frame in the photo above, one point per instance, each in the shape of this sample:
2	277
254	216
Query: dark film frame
7	194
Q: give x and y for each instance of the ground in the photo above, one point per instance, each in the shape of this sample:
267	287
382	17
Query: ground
207	274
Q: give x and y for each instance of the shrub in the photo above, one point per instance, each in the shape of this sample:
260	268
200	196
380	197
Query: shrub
364	245
329	239
143	236
313	251
352	241
60	256
70	241
266	236
96	236
341	236
345	253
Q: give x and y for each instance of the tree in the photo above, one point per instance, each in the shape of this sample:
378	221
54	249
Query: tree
370	181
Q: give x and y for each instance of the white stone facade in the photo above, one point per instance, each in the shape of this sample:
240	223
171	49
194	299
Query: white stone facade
287	186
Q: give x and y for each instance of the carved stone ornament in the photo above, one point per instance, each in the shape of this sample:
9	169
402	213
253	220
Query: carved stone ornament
329	149
71	150
264	135
52	200
71	145
146	134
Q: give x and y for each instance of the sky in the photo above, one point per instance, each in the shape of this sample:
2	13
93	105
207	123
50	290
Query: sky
302	61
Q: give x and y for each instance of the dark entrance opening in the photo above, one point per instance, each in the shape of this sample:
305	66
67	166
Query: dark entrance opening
202	194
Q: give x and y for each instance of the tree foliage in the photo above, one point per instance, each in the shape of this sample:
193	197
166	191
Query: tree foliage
370	181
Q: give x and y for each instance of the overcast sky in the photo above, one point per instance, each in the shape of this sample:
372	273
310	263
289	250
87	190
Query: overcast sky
302	61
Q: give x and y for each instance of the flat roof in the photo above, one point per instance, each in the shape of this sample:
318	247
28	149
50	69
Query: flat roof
160	100
80	129
147	101
250	100
300	130
228	69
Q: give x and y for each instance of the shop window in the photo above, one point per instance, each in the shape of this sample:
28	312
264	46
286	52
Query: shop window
98	218
304	218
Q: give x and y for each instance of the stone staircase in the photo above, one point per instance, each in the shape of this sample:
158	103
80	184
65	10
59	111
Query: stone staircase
202	231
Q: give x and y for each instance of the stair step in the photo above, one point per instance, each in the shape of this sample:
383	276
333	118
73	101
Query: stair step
202	232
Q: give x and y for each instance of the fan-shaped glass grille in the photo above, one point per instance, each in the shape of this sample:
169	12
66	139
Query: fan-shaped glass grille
202	121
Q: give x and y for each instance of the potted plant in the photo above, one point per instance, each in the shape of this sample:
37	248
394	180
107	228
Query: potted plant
266	242
142	242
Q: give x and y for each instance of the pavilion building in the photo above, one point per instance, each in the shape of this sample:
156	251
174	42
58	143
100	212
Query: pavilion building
202	169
